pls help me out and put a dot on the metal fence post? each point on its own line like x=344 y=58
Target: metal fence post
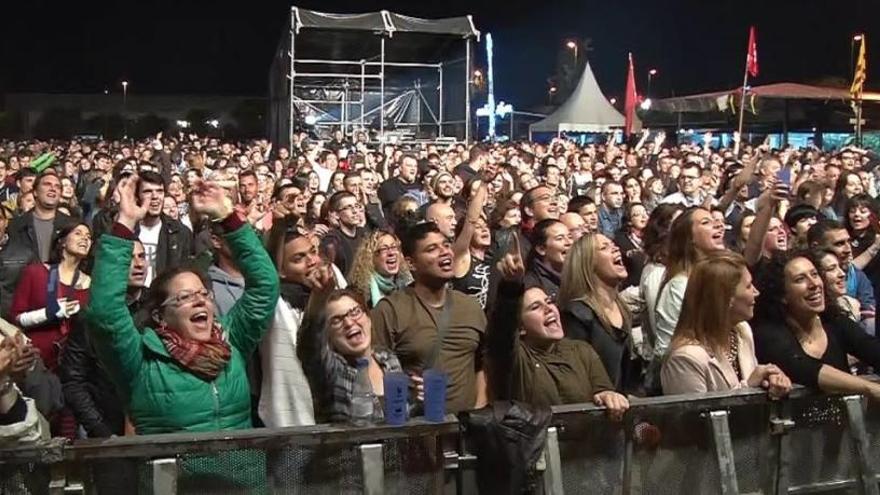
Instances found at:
x=372 y=468
x=164 y=474
x=778 y=453
x=858 y=433
x=720 y=430
x=553 y=473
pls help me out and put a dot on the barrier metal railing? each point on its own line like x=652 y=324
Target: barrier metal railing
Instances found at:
x=732 y=442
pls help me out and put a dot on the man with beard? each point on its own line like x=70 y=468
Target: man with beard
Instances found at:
x=167 y=242
x=430 y=326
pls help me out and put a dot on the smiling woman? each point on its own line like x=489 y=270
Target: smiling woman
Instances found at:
x=187 y=374
x=808 y=337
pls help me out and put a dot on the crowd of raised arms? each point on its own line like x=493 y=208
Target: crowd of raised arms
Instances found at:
x=195 y=284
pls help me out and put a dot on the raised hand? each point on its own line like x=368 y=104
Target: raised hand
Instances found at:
x=511 y=266
x=9 y=352
x=130 y=211
x=321 y=279
x=211 y=200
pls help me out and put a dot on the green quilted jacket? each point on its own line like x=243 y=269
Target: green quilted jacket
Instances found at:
x=160 y=395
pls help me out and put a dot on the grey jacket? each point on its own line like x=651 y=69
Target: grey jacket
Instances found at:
x=227 y=289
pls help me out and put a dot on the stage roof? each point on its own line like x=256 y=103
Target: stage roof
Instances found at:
x=722 y=100
x=384 y=21
x=586 y=110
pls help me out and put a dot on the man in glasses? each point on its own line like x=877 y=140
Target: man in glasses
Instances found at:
x=689 y=194
x=342 y=241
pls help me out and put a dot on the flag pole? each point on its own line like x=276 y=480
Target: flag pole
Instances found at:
x=742 y=109
x=859 y=121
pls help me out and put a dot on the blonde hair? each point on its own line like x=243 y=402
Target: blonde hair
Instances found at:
x=362 y=268
x=705 y=312
x=580 y=283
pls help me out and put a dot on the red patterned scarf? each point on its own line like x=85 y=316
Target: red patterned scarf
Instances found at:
x=204 y=359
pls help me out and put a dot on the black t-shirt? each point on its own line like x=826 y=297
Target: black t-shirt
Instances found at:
x=776 y=344
x=340 y=248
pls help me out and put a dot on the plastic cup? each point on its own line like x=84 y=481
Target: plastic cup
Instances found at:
x=396 y=392
x=435 y=395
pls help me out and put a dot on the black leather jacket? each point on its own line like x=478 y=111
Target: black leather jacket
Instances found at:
x=88 y=390
x=21 y=250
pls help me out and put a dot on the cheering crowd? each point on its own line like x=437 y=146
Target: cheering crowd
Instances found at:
x=193 y=284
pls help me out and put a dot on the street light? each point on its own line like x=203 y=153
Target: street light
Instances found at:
x=852 y=48
x=613 y=101
x=573 y=46
x=125 y=109
x=550 y=92
x=651 y=74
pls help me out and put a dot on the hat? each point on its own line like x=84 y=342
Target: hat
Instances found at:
x=798 y=213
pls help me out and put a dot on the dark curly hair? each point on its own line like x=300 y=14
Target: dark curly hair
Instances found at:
x=657 y=230
x=770 y=281
x=859 y=201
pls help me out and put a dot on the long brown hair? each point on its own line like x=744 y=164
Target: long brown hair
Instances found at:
x=681 y=253
x=580 y=283
x=705 y=312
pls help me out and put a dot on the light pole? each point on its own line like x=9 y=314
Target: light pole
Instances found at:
x=550 y=93
x=125 y=109
x=651 y=74
x=573 y=46
x=852 y=48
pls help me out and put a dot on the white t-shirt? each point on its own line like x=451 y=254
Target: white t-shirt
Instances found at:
x=324 y=175
x=149 y=237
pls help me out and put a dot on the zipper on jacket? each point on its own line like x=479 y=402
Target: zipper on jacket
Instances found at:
x=216 y=404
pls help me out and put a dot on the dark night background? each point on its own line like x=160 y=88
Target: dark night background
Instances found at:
x=225 y=46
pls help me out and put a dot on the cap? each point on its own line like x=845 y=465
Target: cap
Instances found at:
x=798 y=213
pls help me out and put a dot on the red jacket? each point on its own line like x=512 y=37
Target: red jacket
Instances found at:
x=30 y=295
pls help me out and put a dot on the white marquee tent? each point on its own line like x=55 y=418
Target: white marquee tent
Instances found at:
x=586 y=110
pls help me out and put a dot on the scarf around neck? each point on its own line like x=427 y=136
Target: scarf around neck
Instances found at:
x=206 y=359
x=380 y=286
x=297 y=295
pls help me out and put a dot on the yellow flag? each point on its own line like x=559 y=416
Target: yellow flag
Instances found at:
x=858 y=83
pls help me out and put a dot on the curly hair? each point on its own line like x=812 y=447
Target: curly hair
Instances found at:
x=362 y=268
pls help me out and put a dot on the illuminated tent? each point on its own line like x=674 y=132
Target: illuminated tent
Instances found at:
x=586 y=110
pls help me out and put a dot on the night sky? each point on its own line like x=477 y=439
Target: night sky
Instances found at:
x=225 y=46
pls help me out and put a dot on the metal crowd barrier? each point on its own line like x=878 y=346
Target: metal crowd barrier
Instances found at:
x=728 y=443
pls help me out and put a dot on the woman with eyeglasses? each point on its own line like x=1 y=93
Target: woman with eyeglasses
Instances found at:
x=188 y=372
x=378 y=268
x=335 y=335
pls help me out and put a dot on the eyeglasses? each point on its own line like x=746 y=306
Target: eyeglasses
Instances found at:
x=383 y=250
x=187 y=296
x=354 y=207
x=354 y=313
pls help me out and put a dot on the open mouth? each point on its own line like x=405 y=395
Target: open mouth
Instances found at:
x=552 y=322
x=815 y=298
x=200 y=318
x=355 y=336
x=617 y=261
x=391 y=261
x=446 y=263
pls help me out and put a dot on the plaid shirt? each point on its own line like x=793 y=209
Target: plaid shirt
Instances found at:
x=330 y=375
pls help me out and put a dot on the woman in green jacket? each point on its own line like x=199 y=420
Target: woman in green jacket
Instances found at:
x=188 y=373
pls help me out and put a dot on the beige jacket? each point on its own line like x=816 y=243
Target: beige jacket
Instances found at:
x=692 y=368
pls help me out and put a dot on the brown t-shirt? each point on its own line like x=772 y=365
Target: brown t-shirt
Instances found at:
x=407 y=325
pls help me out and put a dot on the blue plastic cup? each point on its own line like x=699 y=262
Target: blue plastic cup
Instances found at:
x=396 y=392
x=435 y=394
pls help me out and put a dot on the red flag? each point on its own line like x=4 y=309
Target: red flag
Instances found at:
x=630 y=98
x=752 y=57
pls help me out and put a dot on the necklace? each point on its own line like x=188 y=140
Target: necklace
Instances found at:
x=733 y=354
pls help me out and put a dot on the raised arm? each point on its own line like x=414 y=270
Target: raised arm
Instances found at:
x=117 y=340
x=766 y=209
x=504 y=323
x=248 y=319
x=461 y=247
x=313 y=349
